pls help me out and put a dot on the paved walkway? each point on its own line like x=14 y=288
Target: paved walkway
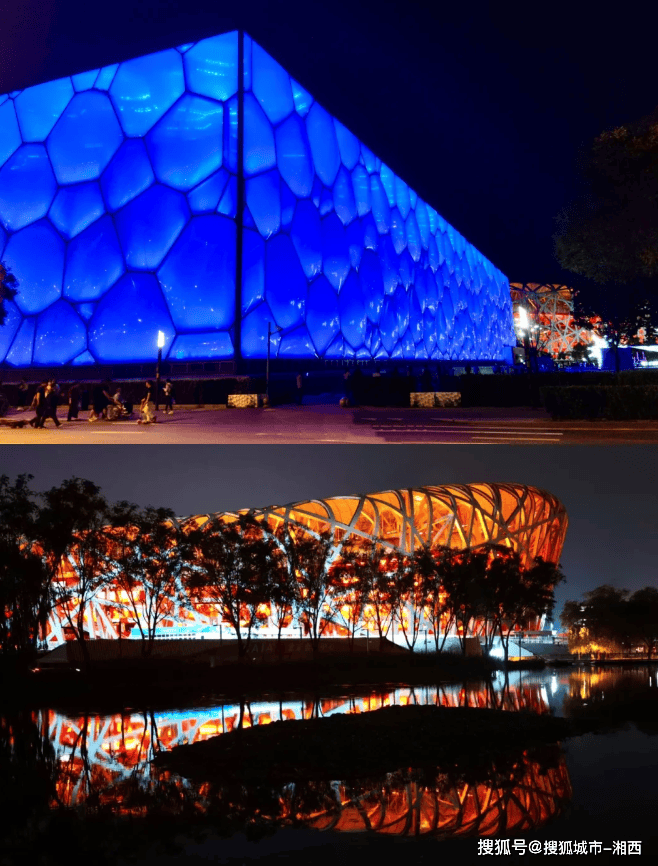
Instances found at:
x=330 y=424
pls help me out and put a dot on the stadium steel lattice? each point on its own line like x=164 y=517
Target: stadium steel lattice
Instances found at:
x=525 y=519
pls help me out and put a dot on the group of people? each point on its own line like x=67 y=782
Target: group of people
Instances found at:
x=107 y=404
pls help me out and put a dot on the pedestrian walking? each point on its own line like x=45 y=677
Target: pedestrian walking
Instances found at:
x=39 y=405
x=299 y=381
x=147 y=406
x=51 y=401
x=168 y=392
x=74 y=402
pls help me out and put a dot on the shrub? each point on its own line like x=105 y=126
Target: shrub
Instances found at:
x=609 y=402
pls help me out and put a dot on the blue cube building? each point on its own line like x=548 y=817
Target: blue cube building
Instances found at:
x=202 y=192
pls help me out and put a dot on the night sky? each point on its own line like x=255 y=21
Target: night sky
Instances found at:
x=610 y=493
x=480 y=107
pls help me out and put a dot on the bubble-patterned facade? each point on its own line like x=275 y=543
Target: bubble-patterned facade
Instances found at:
x=135 y=199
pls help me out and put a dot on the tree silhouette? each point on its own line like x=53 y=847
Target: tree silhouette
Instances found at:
x=148 y=557
x=228 y=565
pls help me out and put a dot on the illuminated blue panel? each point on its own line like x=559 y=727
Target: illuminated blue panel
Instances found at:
x=20 y=354
x=259 y=152
x=10 y=328
x=372 y=285
x=322 y=315
x=76 y=207
x=206 y=196
x=36 y=257
x=324 y=146
x=336 y=248
x=211 y=67
x=39 y=107
x=231 y=135
x=296 y=344
x=253 y=270
x=355 y=243
x=127 y=320
x=27 y=187
x=302 y=98
x=254 y=332
x=190 y=347
x=145 y=88
x=361 y=185
x=148 y=226
x=306 y=235
x=198 y=277
x=285 y=282
x=127 y=175
x=93 y=263
x=352 y=308
x=335 y=253
x=380 y=207
x=106 y=76
x=344 y=197
x=10 y=137
x=402 y=197
x=348 y=145
x=228 y=203
x=84 y=81
x=264 y=202
x=186 y=145
x=85 y=138
x=271 y=85
x=60 y=335
x=294 y=156
x=3 y=238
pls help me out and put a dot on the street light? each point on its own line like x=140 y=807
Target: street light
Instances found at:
x=161 y=342
x=267 y=364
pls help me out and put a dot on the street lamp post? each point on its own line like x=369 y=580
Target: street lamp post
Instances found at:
x=161 y=342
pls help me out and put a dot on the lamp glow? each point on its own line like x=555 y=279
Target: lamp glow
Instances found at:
x=161 y=339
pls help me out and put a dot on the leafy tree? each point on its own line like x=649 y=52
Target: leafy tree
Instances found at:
x=74 y=536
x=600 y=618
x=311 y=558
x=23 y=577
x=522 y=595
x=642 y=616
x=410 y=596
x=462 y=574
x=8 y=289
x=610 y=235
x=352 y=580
x=228 y=565
x=148 y=558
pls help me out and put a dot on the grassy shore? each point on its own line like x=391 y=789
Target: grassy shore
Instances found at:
x=154 y=682
x=345 y=746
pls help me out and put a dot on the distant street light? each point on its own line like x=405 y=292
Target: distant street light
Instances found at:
x=267 y=364
x=161 y=342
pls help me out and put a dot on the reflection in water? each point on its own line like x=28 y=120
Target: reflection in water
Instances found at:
x=98 y=752
x=510 y=797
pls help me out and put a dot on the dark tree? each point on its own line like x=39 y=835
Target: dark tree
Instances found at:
x=600 y=618
x=642 y=616
x=610 y=235
x=228 y=566
x=23 y=576
x=75 y=538
x=8 y=289
x=147 y=551
x=310 y=558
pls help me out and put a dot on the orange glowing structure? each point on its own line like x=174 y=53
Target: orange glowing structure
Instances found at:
x=525 y=519
x=549 y=309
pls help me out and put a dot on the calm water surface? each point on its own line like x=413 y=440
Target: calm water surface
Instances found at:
x=596 y=788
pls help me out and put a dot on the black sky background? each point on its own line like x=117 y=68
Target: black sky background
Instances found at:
x=480 y=107
x=610 y=493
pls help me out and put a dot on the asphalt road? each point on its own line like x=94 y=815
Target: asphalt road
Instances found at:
x=333 y=425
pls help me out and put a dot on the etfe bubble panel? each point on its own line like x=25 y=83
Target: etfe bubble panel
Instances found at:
x=118 y=211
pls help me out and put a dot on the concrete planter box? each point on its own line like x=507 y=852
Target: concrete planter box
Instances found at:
x=434 y=399
x=244 y=401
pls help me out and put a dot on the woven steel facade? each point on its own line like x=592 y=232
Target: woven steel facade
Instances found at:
x=135 y=199
x=525 y=519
